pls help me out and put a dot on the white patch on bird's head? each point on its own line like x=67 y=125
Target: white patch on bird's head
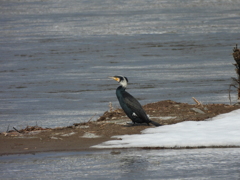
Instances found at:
x=123 y=81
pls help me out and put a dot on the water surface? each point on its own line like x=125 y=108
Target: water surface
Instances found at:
x=125 y=164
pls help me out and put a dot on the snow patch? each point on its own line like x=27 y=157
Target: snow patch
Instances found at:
x=222 y=130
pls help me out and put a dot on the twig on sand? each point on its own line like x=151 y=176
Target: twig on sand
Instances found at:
x=92 y=117
x=8 y=128
x=229 y=93
x=16 y=130
x=110 y=107
x=198 y=103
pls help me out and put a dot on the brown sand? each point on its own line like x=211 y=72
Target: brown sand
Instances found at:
x=80 y=137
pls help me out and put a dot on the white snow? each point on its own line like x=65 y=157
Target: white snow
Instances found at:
x=222 y=130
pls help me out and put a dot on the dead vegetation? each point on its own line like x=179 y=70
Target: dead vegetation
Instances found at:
x=236 y=81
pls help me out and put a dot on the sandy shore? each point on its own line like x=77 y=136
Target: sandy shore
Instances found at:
x=80 y=137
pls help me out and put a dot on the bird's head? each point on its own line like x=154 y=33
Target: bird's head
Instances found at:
x=121 y=80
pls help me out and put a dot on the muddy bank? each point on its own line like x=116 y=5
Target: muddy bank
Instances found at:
x=81 y=136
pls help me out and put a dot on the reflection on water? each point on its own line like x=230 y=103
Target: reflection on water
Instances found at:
x=127 y=164
x=134 y=167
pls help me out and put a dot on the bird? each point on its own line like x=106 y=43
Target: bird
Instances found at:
x=129 y=104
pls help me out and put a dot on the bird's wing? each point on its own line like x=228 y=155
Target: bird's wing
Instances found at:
x=134 y=105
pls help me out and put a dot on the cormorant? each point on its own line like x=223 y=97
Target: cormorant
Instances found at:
x=129 y=104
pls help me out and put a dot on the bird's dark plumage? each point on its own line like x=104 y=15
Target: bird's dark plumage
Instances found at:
x=130 y=105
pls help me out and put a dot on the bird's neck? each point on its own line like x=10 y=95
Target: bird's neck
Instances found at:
x=119 y=92
x=121 y=88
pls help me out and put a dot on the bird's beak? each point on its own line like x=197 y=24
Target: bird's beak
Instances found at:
x=115 y=78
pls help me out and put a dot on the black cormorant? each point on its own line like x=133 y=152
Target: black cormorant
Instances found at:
x=129 y=104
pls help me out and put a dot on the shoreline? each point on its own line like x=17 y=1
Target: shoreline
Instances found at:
x=81 y=136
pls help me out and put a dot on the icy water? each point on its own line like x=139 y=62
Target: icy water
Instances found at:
x=56 y=56
x=125 y=164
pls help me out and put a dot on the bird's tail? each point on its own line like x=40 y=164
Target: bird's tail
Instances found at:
x=155 y=123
